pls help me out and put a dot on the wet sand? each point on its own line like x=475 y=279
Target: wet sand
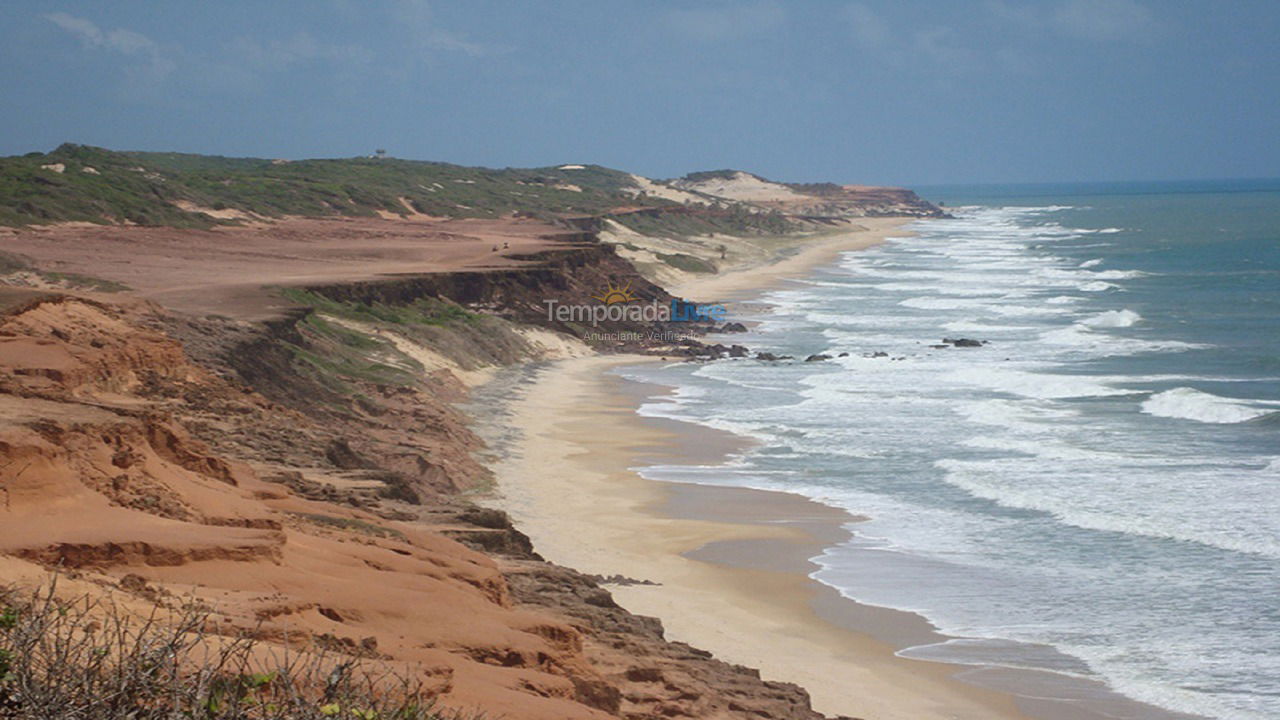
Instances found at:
x=731 y=563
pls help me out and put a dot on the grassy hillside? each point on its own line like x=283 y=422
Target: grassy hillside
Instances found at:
x=98 y=185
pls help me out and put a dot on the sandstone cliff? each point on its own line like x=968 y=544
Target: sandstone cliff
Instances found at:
x=310 y=504
x=243 y=402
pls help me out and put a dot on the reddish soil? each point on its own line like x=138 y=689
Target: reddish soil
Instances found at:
x=228 y=270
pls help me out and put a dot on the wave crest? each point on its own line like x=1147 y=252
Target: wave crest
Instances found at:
x=1113 y=319
x=1190 y=404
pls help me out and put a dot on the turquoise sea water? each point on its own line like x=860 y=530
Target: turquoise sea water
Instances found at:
x=1096 y=491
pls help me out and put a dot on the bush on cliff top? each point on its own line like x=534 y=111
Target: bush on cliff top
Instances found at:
x=91 y=659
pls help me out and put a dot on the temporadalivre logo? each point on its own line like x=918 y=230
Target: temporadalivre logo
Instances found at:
x=618 y=303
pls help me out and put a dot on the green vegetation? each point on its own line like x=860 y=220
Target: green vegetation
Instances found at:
x=336 y=356
x=688 y=263
x=704 y=175
x=825 y=189
x=334 y=366
x=423 y=311
x=345 y=336
x=340 y=357
x=83 y=282
x=735 y=220
x=103 y=186
x=147 y=188
x=351 y=524
x=11 y=263
x=82 y=658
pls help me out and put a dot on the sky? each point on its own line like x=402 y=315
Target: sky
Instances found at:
x=900 y=92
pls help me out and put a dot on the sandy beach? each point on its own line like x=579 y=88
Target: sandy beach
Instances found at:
x=790 y=261
x=726 y=568
x=731 y=564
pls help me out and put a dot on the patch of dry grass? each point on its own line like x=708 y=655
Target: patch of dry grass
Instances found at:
x=91 y=659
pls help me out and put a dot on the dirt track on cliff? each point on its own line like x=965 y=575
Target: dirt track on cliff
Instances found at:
x=226 y=270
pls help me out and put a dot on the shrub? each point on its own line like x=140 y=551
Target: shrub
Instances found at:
x=88 y=659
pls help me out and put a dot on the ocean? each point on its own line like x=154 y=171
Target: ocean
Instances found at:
x=1096 y=490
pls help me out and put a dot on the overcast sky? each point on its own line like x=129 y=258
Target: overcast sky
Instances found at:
x=903 y=92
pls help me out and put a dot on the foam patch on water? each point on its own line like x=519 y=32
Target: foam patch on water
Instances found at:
x=1191 y=404
x=1119 y=274
x=1012 y=414
x=941 y=303
x=1080 y=337
x=1097 y=286
x=1113 y=319
x=1013 y=483
x=976 y=326
x=1041 y=386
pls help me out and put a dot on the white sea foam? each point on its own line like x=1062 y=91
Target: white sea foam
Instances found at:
x=1012 y=414
x=941 y=303
x=1081 y=337
x=977 y=326
x=1036 y=447
x=1000 y=274
x=1113 y=319
x=1191 y=404
x=1097 y=286
x=1010 y=482
x=1012 y=309
x=1035 y=385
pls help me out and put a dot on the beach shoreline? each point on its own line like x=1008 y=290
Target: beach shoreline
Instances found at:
x=792 y=260
x=731 y=565
x=729 y=569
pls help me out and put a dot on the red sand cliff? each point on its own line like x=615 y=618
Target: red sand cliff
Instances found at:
x=302 y=515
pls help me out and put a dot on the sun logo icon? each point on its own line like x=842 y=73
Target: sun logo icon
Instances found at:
x=614 y=294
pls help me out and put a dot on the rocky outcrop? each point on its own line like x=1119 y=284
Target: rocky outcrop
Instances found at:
x=963 y=342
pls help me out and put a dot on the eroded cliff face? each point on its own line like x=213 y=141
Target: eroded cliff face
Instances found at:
x=300 y=484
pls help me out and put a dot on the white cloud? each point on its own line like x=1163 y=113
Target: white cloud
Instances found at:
x=84 y=29
x=299 y=48
x=941 y=46
x=415 y=17
x=1103 y=20
x=727 y=22
x=935 y=48
x=152 y=61
x=869 y=30
x=1096 y=20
